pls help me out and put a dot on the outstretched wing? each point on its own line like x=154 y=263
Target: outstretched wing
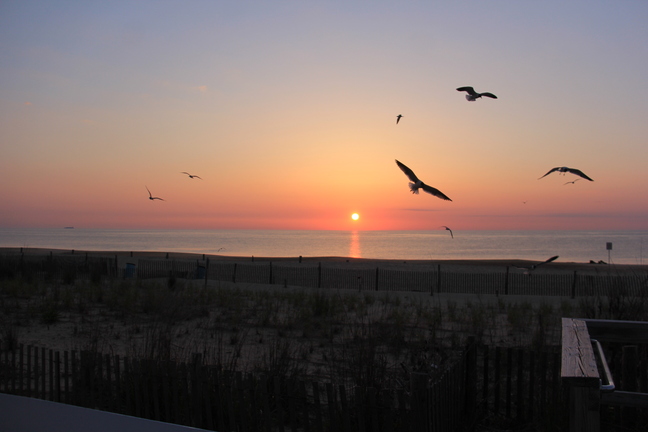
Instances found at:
x=553 y=258
x=435 y=192
x=550 y=171
x=408 y=172
x=490 y=95
x=150 y=196
x=579 y=173
x=470 y=90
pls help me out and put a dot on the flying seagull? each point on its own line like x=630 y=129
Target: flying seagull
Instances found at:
x=417 y=184
x=398 y=117
x=448 y=229
x=572 y=182
x=151 y=197
x=473 y=95
x=566 y=170
x=535 y=266
x=191 y=176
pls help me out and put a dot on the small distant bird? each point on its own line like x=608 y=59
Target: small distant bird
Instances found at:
x=564 y=170
x=572 y=182
x=191 y=176
x=151 y=197
x=473 y=95
x=448 y=229
x=418 y=184
x=398 y=117
x=535 y=266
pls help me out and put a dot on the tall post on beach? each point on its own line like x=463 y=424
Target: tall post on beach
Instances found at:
x=206 y=271
x=319 y=274
x=377 y=270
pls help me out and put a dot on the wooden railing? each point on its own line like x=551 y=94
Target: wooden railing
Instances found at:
x=586 y=374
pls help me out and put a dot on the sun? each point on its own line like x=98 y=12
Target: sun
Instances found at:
x=355 y=216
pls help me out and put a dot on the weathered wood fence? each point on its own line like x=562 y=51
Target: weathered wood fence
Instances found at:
x=512 y=386
x=433 y=280
x=607 y=388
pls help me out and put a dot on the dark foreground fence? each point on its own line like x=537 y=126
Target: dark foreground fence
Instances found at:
x=486 y=385
x=432 y=280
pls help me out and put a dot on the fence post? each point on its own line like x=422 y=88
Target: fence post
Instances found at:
x=419 y=402
x=506 y=281
x=377 y=271
x=270 y=278
x=234 y=273
x=439 y=278
x=319 y=275
x=630 y=359
x=573 y=287
x=206 y=271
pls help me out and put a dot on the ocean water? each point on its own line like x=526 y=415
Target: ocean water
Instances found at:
x=571 y=246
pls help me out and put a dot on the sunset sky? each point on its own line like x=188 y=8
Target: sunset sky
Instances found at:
x=287 y=110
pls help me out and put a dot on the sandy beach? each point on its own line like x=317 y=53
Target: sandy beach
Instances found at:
x=122 y=317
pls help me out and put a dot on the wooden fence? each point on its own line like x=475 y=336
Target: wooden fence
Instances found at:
x=512 y=386
x=432 y=280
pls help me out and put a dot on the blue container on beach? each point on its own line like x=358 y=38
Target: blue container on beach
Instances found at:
x=129 y=271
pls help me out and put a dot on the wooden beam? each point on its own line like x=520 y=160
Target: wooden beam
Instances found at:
x=578 y=359
x=618 y=331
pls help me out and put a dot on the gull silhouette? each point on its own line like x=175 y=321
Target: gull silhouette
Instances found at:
x=572 y=182
x=528 y=269
x=151 y=197
x=398 y=117
x=564 y=170
x=417 y=184
x=473 y=95
x=448 y=229
x=191 y=176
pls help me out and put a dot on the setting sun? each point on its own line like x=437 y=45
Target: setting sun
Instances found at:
x=355 y=216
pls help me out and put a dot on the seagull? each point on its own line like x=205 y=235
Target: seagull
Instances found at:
x=151 y=197
x=572 y=182
x=448 y=229
x=535 y=266
x=191 y=176
x=566 y=170
x=417 y=184
x=473 y=95
x=398 y=117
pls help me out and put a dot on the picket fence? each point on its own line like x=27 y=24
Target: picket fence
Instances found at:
x=514 y=386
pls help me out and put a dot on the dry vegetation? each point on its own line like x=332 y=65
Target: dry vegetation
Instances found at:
x=364 y=338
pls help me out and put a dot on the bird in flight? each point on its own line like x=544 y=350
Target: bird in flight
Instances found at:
x=473 y=95
x=535 y=266
x=448 y=229
x=191 y=176
x=151 y=197
x=568 y=170
x=398 y=117
x=417 y=184
x=572 y=182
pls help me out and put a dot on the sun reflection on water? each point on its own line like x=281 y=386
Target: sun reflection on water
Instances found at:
x=354 y=245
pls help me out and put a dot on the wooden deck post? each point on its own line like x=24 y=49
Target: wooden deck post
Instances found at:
x=580 y=374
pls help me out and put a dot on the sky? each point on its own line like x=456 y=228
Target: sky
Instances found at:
x=287 y=111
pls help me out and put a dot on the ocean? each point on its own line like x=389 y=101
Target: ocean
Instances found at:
x=627 y=247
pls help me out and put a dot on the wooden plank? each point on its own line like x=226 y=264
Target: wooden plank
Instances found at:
x=624 y=398
x=618 y=331
x=578 y=359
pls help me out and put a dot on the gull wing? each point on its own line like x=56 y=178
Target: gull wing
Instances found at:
x=550 y=171
x=579 y=173
x=408 y=172
x=435 y=192
x=150 y=196
x=553 y=258
x=490 y=95
x=470 y=90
